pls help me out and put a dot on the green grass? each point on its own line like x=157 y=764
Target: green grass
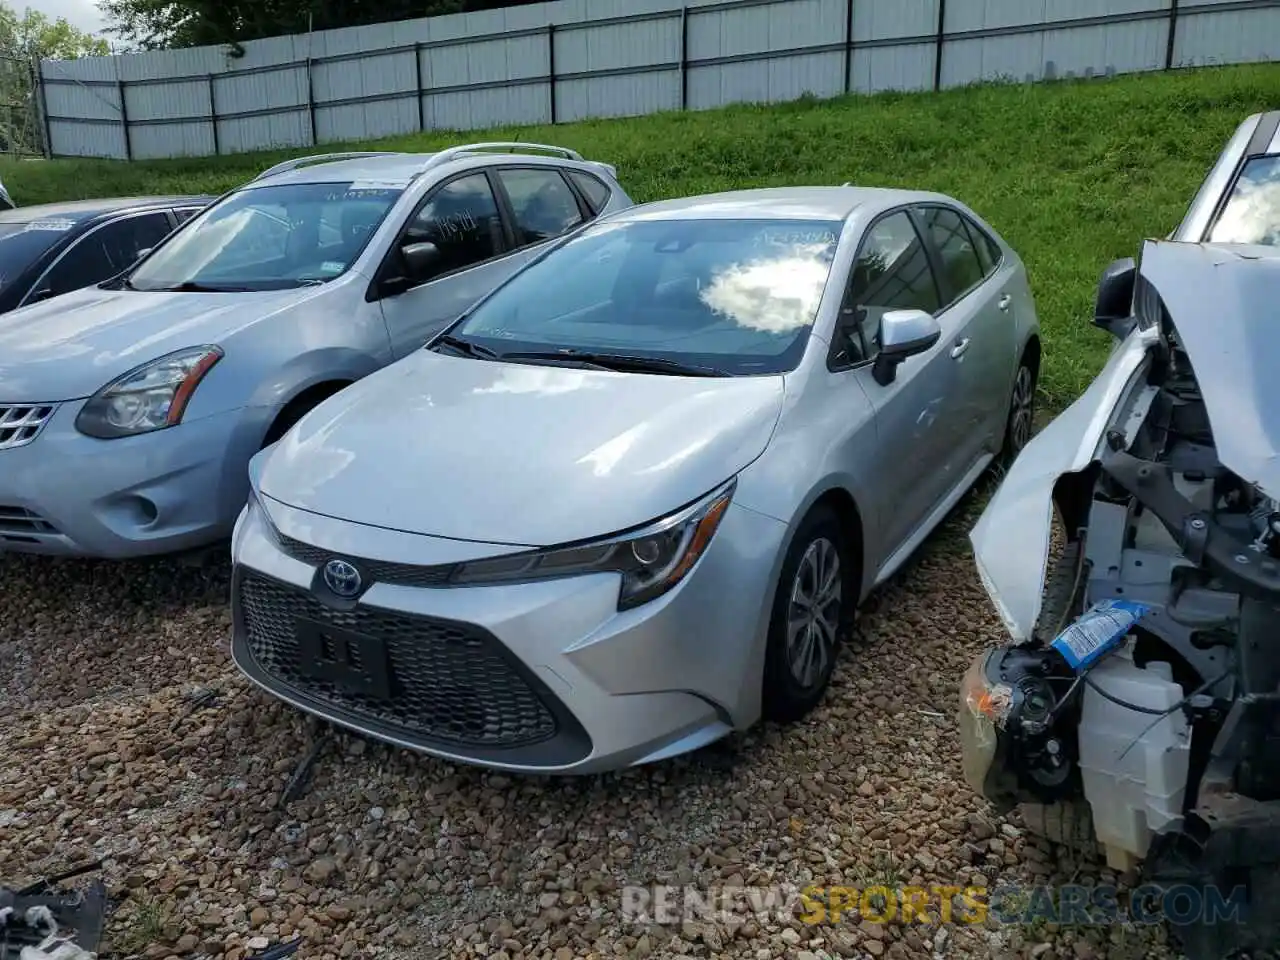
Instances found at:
x=1072 y=173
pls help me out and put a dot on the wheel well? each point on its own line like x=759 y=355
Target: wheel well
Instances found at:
x=842 y=504
x=294 y=410
x=1031 y=353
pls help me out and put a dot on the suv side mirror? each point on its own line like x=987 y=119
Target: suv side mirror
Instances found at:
x=44 y=293
x=420 y=258
x=1113 y=308
x=903 y=334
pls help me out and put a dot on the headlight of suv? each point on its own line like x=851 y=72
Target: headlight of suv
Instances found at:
x=651 y=560
x=150 y=397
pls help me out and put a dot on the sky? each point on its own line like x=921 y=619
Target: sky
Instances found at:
x=79 y=13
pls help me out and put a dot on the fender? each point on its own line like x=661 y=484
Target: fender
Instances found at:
x=1018 y=520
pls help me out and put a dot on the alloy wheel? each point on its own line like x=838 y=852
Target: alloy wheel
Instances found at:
x=1021 y=412
x=813 y=616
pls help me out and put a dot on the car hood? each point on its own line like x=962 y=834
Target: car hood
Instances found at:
x=518 y=454
x=1222 y=302
x=73 y=345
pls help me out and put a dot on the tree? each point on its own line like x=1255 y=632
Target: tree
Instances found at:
x=34 y=35
x=160 y=24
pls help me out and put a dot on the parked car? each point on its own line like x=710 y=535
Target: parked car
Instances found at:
x=6 y=201
x=129 y=410
x=54 y=248
x=1133 y=706
x=630 y=500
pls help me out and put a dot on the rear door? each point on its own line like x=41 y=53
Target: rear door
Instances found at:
x=977 y=310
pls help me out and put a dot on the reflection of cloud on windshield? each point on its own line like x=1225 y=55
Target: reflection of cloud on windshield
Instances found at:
x=1253 y=215
x=773 y=295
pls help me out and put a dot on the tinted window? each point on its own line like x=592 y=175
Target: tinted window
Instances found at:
x=183 y=214
x=271 y=238
x=461 y=219
x=738 y=295
x=1252 y=213
x=22 y=244
x=989 y=253
x=949 y=237
x=106 y=251
x=892 y=272
x=594 y=189
x=543 y=204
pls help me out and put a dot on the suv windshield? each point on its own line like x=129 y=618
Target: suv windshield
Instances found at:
x=269 y=238
x=738 y=296
x=22 y=244
x=1252 y=213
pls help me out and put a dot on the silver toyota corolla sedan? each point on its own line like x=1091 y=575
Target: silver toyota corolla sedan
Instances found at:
x=629 y=501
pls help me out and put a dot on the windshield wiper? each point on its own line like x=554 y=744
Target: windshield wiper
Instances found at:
x=192 y=286
x=618 y=361
x=469 y=347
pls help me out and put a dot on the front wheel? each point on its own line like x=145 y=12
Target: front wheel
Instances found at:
x=814 y=605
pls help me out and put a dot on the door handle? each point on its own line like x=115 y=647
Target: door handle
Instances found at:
x=1004 y=302
x=958 y=350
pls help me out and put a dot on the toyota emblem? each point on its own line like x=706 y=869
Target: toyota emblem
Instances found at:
x=342 y=578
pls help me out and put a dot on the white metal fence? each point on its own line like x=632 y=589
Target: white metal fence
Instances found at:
x=571 y=59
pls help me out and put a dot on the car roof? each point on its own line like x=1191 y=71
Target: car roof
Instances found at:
x=399 y=169
x=791 y=203
x=86 y=209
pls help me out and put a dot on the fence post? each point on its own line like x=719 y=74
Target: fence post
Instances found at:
x=124 y=119
x=42 y=106
x=213 y=116
x=311 y=101
x=684 y=57
x=941 y=42
x=551 y=68
x=417 y=70
x=1173 y=34
x=848 y=46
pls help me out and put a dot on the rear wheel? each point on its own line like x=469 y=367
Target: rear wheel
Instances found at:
x=814 y=604
x=1021 y=420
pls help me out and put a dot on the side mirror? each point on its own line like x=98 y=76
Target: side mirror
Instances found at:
x=142 y=253
x=44 y=293
x=1113 y=308
x=420 y=258
x=903 y=334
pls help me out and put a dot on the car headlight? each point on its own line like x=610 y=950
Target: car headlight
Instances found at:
x=651 y=560
x=150 y=397
x=983 y=708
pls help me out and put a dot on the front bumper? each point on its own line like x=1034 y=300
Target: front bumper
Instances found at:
x=544 y=677
x=66 y=494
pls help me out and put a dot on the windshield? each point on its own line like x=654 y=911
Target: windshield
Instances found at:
x=735 y=295
x=22 y=244
x=270 y=238
x=1252 y=213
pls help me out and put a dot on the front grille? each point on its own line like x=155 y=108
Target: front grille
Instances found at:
x=22 y=523
x=20 y=423
x=451 y=683
x=373 y=571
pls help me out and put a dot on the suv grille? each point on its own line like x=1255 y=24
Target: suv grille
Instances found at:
x=449 y=682
x=19 y=423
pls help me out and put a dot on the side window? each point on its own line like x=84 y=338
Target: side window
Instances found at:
x=595 y=190
x=105 y=252
x=947 y=233
x=461 y=219
x=542 y=202
x=989 y=252
x=183 y=214
x=891 y=272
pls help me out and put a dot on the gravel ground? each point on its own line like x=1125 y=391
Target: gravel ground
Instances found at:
x=105 y=752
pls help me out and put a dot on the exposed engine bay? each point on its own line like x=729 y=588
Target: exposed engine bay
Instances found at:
x=1161 y=746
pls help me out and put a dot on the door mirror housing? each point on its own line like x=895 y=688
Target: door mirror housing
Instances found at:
x=419 y=259
x=1113 y=307
x=142 y=253
x=903 y=334
x=44 y=293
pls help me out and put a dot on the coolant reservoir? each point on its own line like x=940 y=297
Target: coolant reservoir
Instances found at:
x=1134 y=793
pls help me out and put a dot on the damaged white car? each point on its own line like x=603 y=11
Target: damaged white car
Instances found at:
x=1135 y=706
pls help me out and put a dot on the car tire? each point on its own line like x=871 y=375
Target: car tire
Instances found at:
x=811 y=611
x=1022 y=409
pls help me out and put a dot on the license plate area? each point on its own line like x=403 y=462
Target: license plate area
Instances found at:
x=355 y=662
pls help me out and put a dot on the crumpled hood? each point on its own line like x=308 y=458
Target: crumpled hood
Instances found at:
x=1225 y=305
x=71 y=346
x=518 y=454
